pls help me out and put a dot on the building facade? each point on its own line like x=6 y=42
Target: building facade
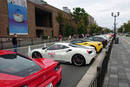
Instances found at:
x=41 y=19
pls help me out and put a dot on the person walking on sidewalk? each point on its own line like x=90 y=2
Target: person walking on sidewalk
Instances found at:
x=69 y=37
x=14 y=42
x=60 y=38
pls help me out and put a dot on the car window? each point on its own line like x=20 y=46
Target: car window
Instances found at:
x=78 y=46
x=63 y=47
x=77 y=41
x=96 y=39
x=57 y=47
x=18 y=65
x=90 y=38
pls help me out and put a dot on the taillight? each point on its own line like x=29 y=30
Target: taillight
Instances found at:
x=105 y=41
x=99 y=44
x=57 y=67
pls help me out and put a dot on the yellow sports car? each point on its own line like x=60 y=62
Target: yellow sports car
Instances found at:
x=97 y=45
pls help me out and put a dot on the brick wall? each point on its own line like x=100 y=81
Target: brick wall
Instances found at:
x=4 y=26
x=3 y=18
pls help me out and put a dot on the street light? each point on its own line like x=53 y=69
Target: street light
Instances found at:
x=115 y=15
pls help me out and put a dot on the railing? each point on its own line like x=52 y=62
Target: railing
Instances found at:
x=102 y=69
x=6 y=43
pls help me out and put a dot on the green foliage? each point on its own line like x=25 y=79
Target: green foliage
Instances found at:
x=45 y=37
x=60 y=19
x=107 y=30
x=81 y=18
x=125 y=27
x=127 y=35
x=69 y=30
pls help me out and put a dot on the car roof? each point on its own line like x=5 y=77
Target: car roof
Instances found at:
x=4 y=52
x=63 y=43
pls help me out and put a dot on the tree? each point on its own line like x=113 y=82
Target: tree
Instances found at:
x=125 y=27
x=69 y=30
x=81 y=19
x=107 y=30
x=65 y=25
x=60 y=19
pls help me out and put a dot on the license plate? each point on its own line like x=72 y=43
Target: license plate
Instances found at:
x=49 y=85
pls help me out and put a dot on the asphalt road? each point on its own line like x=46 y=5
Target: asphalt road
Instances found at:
x=71 y=74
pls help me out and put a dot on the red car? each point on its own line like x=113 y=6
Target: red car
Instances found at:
x=17 y=70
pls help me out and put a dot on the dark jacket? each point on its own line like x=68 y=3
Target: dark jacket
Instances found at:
x=14 y=41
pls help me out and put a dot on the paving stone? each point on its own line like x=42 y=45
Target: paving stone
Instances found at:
x=129 y=82
x=114 y=62
x=118 y=74
x=113 y=70
x=126 y=65
x=113 y=81
x=122 y=77
x=128 y=75
x=123 y=84
x=125 y=62
x=106 y=81
x=127 y=70
x=114 y=76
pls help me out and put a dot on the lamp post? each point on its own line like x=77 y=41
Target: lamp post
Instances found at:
x=115 y=15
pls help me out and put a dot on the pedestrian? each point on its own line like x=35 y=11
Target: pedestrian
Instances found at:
x=60 y=38
x=70 y=37
x=14 y=42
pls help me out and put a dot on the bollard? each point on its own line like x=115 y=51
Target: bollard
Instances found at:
x=117 y=40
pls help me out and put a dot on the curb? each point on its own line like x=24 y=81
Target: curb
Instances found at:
x=89 y=79
x=92 y=72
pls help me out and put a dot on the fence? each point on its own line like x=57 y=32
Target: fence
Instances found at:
x=102 y=69
x=5 y=42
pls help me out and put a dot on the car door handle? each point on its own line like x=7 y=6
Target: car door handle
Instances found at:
x=69 y=50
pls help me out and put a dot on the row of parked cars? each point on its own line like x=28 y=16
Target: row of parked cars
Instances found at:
x=40 y=69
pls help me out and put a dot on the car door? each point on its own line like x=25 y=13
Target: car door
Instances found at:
x=58 y=52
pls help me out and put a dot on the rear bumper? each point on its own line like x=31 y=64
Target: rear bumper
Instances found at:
x=55 y=80
x=89 y=59
x=99 y=48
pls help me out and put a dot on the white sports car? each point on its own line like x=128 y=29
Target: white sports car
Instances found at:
x=75 y=54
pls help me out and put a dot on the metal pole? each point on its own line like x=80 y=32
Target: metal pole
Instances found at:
x=115 y=26
x=115 y=15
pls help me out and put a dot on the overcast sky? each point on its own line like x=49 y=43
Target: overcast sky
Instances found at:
x=99 y=9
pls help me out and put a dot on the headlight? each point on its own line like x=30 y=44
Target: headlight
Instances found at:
x=57 y=67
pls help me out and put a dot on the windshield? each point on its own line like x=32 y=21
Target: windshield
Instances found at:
x=18 y=65
x=79 y=41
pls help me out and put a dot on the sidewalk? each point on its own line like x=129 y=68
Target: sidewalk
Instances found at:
x=118 y=71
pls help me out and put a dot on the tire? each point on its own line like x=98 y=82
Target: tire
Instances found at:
x=78 y=60
x=58 y=84
x=36 y=55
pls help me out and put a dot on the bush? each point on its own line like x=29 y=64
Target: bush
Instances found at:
x=45 y=37
x=127 y=35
